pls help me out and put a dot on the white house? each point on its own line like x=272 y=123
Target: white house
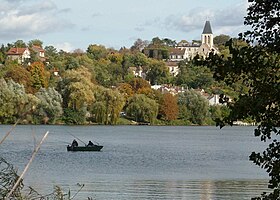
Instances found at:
x=19 y=54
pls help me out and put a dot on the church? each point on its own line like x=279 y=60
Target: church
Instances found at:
x=187 y=51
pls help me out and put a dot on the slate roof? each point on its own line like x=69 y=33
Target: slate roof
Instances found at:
x=207 y=28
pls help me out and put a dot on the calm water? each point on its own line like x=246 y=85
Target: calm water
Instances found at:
x=141 y=162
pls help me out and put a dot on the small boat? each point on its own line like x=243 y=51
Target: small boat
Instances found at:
x=84 y=148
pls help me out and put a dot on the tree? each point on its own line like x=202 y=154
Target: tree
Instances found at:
x=107 y=106
x=39 y=76
x=142 y=109
x=169 y=107
x=193 y=107
x=194 y=76
x=158 y=72
x=258 y=67
x=139 y=45
x=221 y=39
x=35 y=42
x=77 y=91
x=20 y=75
x=97 y=52
x=138 y=83
x=15 y=104
x=20 y=44
x=50 y=105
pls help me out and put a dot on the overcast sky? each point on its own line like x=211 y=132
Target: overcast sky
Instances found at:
x=72 y=24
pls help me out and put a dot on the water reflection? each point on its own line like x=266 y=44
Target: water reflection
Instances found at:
x=190 y=190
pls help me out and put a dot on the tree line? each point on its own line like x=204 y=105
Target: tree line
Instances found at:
x=97 y=85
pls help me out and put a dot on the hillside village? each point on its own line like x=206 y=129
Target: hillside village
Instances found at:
x=183 y=51
x=165 y=65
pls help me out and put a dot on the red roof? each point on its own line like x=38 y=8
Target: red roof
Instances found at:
x=16 y=51
x=38 y=48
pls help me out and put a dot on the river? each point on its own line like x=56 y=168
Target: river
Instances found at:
x=141 y=162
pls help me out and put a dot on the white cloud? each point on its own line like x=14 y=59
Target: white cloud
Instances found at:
x=229 y=20
x=18 y=20
x=65 y=46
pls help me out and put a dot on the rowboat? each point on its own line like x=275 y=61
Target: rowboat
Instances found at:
x=84 y=148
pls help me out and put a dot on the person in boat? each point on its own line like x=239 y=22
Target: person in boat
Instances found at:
x=90 y=144
x=74 y=143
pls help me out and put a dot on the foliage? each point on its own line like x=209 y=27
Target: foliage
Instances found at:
x=96 y=52
x=39 y=76
x=8 y=178
x=142 y=109
x=221 y=39
x=76 y=88
x=158 y=72
x=169 y=107
x=14 y=102
x=194 y=76
x=193 y=107
x=108 y=105
x=258 y=68
x=50 y=106
x=20 y=75
x=139 y=83
x=263 y=17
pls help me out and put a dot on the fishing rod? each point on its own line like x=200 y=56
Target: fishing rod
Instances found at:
x=77 y=138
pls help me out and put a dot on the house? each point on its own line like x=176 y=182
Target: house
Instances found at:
x=176 y=54
x=19 y=54
x=40 y=52
x=173 y=67
x=137 y=71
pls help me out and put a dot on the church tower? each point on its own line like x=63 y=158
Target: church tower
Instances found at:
x=207 y=35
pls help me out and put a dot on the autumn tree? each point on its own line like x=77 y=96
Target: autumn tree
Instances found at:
x=39 y=76
x=138 y=83
x=20 y=75
x=169 y=108
x=125 y=89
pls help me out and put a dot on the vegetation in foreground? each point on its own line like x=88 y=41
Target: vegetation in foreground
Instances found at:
x=258 y=68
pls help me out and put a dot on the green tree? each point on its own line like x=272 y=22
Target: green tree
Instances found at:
x=194 y=76
x=142 y=109
x=158 y=72
x=50 y=106
x=35 y=42
x=258 y=67
x=20 y=44
x=97 y=52
x=15 y=104
x=221 y=39
x=193 y=107
x=108 y=105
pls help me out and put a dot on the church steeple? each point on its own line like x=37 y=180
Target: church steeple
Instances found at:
x=207 y=35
